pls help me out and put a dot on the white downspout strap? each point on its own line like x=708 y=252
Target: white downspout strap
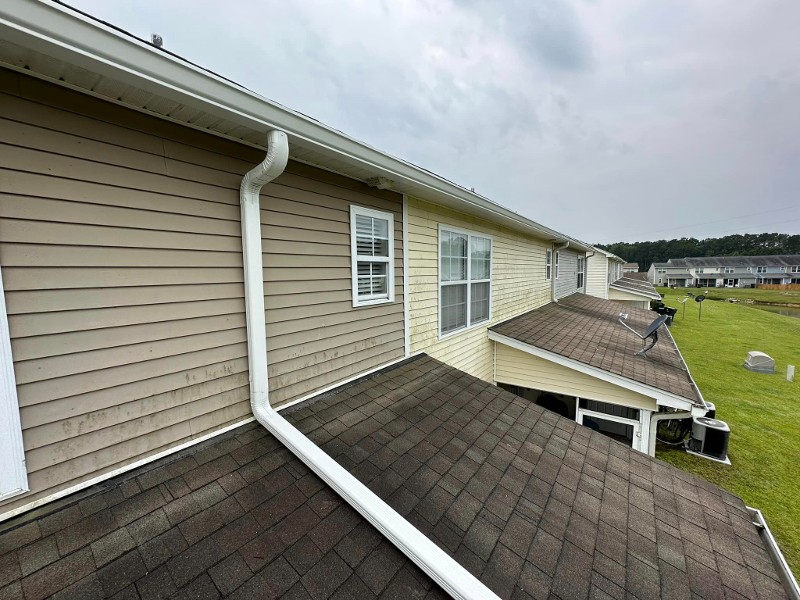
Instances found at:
x=439 y=566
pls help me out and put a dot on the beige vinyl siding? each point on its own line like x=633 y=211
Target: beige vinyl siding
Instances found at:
x=567 y=282
x=515 y=367
x=597 y=276
x=121 y=253
x=518 y=285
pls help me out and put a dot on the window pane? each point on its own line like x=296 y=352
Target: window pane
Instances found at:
x=481 y=258
x=479 y=302
x=454 y=307
x=372 y=236
x=372 y=279
x=452 y=257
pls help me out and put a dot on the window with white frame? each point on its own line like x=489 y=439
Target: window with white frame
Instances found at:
x=761 y=269
x=796 y=269
x=465 y=279
x=557 y=253
x=371 y=255
x=581 y=271
x=548 y=264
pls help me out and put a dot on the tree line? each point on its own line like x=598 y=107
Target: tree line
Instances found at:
x=748 y=244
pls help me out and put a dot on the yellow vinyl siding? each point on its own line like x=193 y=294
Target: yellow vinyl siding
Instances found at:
x=515 y=367
x=628 y=298
x=122 y=262
x=518 y=285
x=597 y=276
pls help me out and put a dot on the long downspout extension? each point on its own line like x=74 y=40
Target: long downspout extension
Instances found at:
x=451 y=577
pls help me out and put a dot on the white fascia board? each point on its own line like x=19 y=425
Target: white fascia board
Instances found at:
x=57 y=31
x=661 y=397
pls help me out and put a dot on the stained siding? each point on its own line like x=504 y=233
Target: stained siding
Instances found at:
x=515 y=367
x=597 y=276
x=518 y=285
x=121 y=252
x=567 y=282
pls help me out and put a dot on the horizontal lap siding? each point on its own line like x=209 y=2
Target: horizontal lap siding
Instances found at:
x=315 y=336
x=567 y=282
x=597 y=276
x=121 y=252
x=518 y=285
x=515 y=367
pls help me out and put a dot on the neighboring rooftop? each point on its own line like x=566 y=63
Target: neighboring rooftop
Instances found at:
x=781 y=260
x=634 y=266
x=238 y=517
x=586 y=329
x=531 y=503
x=636 y=286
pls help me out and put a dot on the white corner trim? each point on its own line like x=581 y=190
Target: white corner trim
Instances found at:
x=111 y=474
x=406 y=286
x=13 y=474
x=661 y=397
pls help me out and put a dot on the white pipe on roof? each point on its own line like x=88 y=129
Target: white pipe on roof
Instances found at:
x=446 y=572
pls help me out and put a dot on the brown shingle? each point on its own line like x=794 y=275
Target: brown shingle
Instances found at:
x=543 y=505
x=586 y=329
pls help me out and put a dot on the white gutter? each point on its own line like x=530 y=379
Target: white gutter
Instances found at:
x=784 y=572
x=439 y=566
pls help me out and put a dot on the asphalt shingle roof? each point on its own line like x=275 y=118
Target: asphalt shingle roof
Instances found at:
x=240 y=518
x=586 y=329
x=531 y=503
x=637 y=286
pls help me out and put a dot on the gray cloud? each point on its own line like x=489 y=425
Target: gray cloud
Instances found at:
x=609 y=120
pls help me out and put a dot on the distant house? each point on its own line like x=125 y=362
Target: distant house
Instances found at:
x=630 y=268
x=726 y=271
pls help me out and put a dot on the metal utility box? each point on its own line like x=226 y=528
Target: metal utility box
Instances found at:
x=759 y=362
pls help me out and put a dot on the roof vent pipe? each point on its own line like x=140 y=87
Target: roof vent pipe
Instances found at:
x=452 y=577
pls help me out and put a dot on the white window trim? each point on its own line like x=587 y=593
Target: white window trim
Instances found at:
x=354 y=259
x=581 y=274
x=467 y=232
x=555 y=264
x=636 y=444
x=13 y=473
x=548 y=264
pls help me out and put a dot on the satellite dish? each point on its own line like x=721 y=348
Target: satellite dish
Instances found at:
x=650 y=333
x=700 y=298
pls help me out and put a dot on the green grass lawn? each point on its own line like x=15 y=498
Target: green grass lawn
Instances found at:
x=763 y=411
x=766 y=296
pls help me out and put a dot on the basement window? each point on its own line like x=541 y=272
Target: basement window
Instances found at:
x=371 y=255
x=465 y=279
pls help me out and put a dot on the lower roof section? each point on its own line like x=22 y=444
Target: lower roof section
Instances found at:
x=585 y=331
x=532 y=503
x=637 y=287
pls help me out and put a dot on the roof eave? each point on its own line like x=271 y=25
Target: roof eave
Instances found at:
x=56 y=31
x=662 y=397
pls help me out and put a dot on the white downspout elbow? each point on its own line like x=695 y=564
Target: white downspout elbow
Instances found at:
x=446 y=572
x=664 y=416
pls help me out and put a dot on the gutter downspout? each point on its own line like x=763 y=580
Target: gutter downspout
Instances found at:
x=654 y=419
x=439 y=566
x=553 y=278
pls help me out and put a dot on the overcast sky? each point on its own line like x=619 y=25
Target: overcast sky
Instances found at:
x=609 y=120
